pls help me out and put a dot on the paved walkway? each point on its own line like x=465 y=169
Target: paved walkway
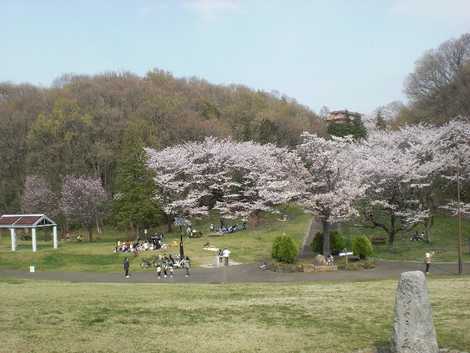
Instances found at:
x=241 y=274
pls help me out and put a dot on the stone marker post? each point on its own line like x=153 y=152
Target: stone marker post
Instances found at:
x=413 y=329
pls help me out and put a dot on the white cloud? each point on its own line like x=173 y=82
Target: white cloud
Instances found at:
x=210 y=9
x=457 y=10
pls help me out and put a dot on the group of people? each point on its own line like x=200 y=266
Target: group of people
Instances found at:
x=417 y=236
x=192 y=233
x=165 y=266
x=223 y=255
x=226 y=229
x=169 y=263
x=155 y=242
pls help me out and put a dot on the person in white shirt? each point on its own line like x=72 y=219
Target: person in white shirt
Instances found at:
x=226 y=255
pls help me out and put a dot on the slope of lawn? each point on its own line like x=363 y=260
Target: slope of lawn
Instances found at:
x=318 y=318
x=444 y=241
x=247 y=246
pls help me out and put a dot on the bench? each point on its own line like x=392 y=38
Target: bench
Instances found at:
x=378 y=240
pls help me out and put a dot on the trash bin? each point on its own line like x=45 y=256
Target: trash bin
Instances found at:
x=32 y=269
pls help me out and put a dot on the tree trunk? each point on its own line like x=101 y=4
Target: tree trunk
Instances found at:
x=427 y=229
x=169 y=222
x=326 y=238
x=98 y=226
x=137 y=233
x=392 y=231
x=90 y=233
x=66 y=227
x=391 y=238
x=253 y=219
x=131 y=232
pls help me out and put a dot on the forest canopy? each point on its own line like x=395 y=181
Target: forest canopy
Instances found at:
x=77 y=126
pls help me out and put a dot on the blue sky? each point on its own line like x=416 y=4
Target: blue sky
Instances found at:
x=351 y=54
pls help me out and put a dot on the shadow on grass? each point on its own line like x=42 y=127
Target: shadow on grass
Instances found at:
x=382 y=346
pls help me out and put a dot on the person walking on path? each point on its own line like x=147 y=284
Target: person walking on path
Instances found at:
x=126 y=267
x=226 y=255
x=165 y=270
x=159 y=271
x=187 y=265
x=428 y=260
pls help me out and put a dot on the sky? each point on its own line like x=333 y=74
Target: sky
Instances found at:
x=343 y=54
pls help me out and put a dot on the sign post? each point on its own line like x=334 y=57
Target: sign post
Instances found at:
x=345 y=253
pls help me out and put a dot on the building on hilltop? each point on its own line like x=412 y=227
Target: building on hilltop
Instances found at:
x=343 y=123
x=342 y=116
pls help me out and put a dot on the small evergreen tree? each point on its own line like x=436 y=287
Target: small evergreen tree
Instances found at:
x=337 y=243
x=359 y=130
x=380 y=122
x=284 y=249
x=362 y=247
x=134 y=205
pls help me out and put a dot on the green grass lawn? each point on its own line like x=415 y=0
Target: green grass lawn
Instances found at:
x=444 y=241
x=247 y=246
x=38 y=316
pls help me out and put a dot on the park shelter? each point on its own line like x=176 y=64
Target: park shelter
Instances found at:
x=28 y=221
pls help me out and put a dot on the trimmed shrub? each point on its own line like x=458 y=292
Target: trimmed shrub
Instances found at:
x=337 y=243
x=284 y=249
x=362 y=246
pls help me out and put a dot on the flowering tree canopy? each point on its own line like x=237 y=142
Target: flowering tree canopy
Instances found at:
x=398 y=166
x=82 y=198
x=452 y=150
x=38 y=197
x=332 y=183
x=235 y=178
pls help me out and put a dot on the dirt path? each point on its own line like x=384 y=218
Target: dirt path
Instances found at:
x=242 y=274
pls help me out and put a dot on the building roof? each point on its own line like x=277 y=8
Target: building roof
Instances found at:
x=25 y=221
x=342 y=115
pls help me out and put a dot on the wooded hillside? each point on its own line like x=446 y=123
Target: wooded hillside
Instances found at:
x=76 y=127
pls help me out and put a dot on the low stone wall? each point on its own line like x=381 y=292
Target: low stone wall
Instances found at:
x=319 y=268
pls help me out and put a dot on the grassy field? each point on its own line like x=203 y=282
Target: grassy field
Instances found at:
x=322 y=317
x=247 y=247
x=444 y=241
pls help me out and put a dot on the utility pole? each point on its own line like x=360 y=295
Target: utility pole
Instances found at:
x=459 y=210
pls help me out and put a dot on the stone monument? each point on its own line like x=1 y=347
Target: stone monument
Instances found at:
x=413 y=329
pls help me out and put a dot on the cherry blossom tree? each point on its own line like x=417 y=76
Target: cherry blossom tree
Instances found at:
x=398 y=166
x=82 y=201
x=453 y=152
x=236 y=178
x=38 y=197
x=332 y=182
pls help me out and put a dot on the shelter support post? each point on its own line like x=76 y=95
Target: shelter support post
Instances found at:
x=54 y=237
x=33 y=236
x=13 y=239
